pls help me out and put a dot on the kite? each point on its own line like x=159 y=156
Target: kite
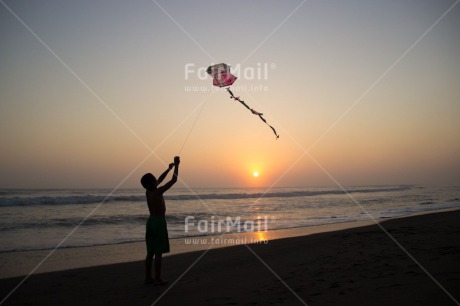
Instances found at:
x=222 y=78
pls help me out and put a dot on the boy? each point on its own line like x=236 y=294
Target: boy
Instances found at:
x=156 y=235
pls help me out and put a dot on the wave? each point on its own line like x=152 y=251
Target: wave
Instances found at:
x=122 y=220
x=92 y=199
x=92 y=221
x=283 y=194
x=62 y=200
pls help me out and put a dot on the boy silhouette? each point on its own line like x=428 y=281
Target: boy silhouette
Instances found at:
x=156 y=235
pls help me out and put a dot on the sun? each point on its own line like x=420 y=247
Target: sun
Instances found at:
x=255 y=174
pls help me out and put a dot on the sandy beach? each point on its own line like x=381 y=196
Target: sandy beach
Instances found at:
x=355 y=266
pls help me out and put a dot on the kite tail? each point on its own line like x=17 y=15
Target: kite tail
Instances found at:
x=232 y=96
x=273 y=129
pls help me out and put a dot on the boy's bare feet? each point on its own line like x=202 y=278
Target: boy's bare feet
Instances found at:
x=160 y=282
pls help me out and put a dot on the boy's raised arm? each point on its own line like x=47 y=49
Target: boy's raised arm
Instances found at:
x=174 y=178
x=162 y=177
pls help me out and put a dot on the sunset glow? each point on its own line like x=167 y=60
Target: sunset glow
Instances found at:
x=347 y=96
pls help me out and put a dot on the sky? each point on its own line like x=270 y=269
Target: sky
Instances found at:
x=93 y=94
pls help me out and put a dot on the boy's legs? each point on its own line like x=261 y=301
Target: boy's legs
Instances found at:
x=158 y=260
x=150 y=244
x=148 y=268
x=158 y=280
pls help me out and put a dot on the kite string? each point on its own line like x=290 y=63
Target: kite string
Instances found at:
x=194 y=123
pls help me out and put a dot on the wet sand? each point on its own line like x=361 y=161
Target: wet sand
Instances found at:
x=355 y=266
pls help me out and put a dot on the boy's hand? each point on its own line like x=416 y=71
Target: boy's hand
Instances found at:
x=171 y=165
x=176 y=160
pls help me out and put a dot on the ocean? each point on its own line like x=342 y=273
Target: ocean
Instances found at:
x=44 y=219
